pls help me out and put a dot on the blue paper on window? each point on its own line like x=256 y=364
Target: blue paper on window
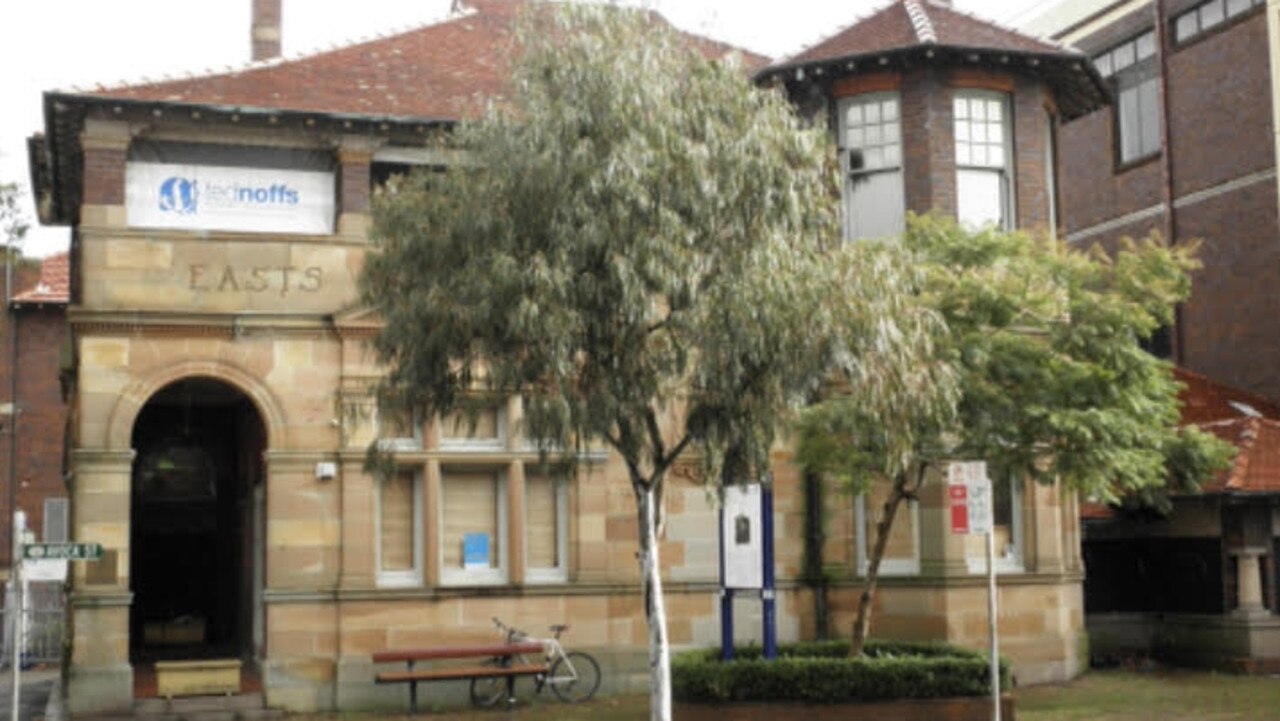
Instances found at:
x=475 y=550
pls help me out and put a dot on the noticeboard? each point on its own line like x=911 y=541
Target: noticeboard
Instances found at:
x=740 y=535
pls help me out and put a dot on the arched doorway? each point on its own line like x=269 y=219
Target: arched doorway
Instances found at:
x=197 y=475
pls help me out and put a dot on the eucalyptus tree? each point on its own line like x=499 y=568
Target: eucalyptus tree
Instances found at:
x=1040 y=352
x=640 y=243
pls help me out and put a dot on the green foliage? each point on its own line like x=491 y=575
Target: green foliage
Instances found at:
x=822 y=672
x=13 y=222
x=1044 y=342
x=638 y=243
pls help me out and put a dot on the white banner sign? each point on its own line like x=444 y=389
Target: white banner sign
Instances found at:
x=207 y=197
x=741 y=536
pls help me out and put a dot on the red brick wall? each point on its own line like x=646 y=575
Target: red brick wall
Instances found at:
x=42 y=419
x=1221 y=129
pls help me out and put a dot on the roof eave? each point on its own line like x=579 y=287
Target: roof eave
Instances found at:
x=1093 y=86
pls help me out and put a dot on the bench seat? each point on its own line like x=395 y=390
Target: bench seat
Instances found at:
x=445 y=674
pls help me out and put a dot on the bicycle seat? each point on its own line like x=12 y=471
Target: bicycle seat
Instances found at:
x=559 y=628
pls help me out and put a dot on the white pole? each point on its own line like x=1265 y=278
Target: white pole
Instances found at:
x=19 y=526
x=992 y=611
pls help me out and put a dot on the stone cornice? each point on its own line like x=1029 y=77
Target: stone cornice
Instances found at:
x=219 y=325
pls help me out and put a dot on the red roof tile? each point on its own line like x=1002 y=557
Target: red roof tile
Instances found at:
x=54 y=286
x=1204 y=400
x=1247 y=421
x=1256 y=468
x=442 y=71
x=911 y=23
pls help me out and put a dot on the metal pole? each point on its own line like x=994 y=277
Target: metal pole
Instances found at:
x=726 y=602
x=993 y=612
x=16 y=579
x=767 y=593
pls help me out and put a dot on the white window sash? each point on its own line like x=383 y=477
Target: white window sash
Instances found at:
x=560 y=572
x=864 y=533
x=400 y=578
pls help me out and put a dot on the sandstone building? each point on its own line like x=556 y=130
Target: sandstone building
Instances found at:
x=223 y=397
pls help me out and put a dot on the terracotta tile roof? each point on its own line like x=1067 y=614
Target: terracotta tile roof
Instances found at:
x=1256 y=468
x=1247 y=421
x=909 y=33
x=54 y=286
x=1205 y=400
x=910 y=23
x=441 y=71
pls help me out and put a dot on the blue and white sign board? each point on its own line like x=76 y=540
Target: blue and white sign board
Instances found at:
x=208 y=197
x=475 y=550
x=973 y=476
x=743 y=538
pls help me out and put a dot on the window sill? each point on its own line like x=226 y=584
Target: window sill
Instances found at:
x=1126 y=166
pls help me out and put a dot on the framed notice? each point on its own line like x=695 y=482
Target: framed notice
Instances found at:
x=741 y=538
x=475 y=550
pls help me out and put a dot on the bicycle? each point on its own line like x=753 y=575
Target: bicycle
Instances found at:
x=573 y=676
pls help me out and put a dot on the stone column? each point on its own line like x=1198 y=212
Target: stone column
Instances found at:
x=101 y=678
x=942 y=553
x=1249 y=582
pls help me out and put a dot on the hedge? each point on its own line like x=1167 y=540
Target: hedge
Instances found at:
x=822 y=672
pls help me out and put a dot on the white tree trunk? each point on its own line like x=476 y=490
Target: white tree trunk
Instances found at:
x=655 y=609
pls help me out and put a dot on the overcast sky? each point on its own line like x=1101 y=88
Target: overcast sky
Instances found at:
x=61 y=44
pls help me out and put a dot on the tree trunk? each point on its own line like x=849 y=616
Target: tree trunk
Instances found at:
x=655 y=609
x=862 y=625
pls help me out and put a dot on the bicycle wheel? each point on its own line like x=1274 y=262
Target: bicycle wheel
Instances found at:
x=574 y=677
x=487 y=691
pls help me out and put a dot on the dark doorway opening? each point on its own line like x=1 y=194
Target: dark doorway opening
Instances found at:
x=199 y=447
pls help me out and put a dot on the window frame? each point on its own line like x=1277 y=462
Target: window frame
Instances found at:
x=399 y=443
x=559 y=573
x=1006 y=172
x=414 y=576
x=863 y=537
x=492 y=576
x=845 y=159
x=496 y=443
x=1139 y=68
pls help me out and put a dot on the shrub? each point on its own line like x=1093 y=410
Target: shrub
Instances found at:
x=822 y=672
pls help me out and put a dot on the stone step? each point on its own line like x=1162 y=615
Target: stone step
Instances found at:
x=196 y=704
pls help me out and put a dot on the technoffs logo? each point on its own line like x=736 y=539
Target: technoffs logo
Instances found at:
x=185 y=196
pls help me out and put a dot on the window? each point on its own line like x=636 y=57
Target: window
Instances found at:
x=1131 y=65
x=546 y=543
x=399 y=532
x=902 y=554
x=983 y=152
x=399 y=427
x=1209 y=15
x=1006 y=516
x=483 y=428
x=871 y=154
x=57 y=517
x=473 y=523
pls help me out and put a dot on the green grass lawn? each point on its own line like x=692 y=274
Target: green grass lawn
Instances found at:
x=1165 y=695
x=1158 y=695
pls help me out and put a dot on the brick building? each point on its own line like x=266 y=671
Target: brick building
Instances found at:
x=1188 y=149
x=935 y=111
x=223 y=396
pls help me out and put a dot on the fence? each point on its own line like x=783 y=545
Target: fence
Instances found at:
x=45 y=617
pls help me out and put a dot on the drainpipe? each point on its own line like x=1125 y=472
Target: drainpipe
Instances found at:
x=1166 y=163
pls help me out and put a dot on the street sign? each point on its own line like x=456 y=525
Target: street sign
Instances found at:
x=67 y=551
x=959 y=497
x=969 y=492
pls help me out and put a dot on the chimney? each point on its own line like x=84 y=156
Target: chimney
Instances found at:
x=265 y=35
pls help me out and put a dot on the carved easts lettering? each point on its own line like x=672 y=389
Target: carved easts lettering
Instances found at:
x=282 y=279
